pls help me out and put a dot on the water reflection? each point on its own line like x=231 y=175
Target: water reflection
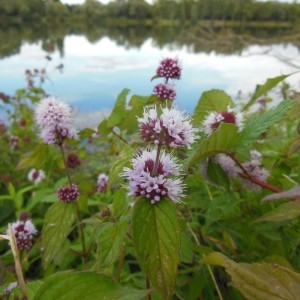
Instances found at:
x=95 y=73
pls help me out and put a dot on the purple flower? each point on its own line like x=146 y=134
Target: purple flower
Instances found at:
x=102 y=183
x=55 y=120
x=36 y=176
x=169 y=68
x=165 y=91
x=73 y=161
x=214 y=119
x=153 y=177
x=24 y=232
x=172 y=128
x=68 y=194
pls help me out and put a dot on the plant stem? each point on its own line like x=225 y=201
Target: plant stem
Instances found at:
x=209 y=268
x=81 y=233
x=65 y=164
x=117 y=135
x=156 y=163
x=15 y=251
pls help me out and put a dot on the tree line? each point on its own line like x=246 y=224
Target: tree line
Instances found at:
x=192 y=11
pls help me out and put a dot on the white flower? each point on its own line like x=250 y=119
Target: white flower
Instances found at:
x=55 y=120
x=213 y=120
x=172 y=128
x=153 y=177
x=36 y=176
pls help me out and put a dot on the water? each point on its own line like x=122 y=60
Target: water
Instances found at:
x=95 y=73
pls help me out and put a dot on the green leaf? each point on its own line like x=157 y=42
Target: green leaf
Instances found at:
x=214 y=100
x=224 y=139
x=118 y=113
x=259 y=281
x=85 y=286
x=156 y=237
x=118 y=165
x=262 y=89
x=57 y=225
x=85 y=133
x=286 y=211
x=258 y=124
x=111 y=238
x=35 y=158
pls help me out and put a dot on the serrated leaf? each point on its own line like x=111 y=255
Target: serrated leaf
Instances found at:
x=35 y=158
x=258 y=124
x=111 y=238
x=57 y=225
x=286 y=211
x=85 y=286
x=259 y=281
x=262 y=89
x=117 y=115
x=214 y=100
x=225 y=138
x=156 y=238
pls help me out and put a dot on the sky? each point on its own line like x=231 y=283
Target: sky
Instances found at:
x=106 y=1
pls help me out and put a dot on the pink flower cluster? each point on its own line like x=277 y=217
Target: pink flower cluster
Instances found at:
x=68 y=194
x=36 y=176
x=102 y=183
x=171 y=127
x=55 y=121
x=152 y=177
x=250 y=168
x=24 y=232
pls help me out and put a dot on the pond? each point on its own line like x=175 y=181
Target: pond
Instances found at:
x=94 y=73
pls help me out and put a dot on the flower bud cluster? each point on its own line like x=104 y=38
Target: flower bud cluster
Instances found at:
x=68 y=194
x=169 y=68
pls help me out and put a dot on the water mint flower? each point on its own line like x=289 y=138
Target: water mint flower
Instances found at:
x=55 y=121
x=153 y=177
x=214 y=119
x=73 y=161
x=165 y=91
x=24 y=232
x=169 y=68
x=36 y=176
x=102 y=183
x=68 y=194
x=171 y=127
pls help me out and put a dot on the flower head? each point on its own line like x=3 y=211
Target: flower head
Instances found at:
x=102 y=183
x=172 y=127
x=55 y=121
x=169 y=68
x=165 y=91
x=24 y=232
x=73 y=161
x=153 y=177
x=214 y=119
x=68 y=194
x=36 y=176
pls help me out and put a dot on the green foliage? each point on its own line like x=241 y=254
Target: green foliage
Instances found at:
x=85 y=285
x=156 y=237
x=57 y=225
x=259 y=280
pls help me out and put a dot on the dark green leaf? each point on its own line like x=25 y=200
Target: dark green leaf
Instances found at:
x=57 y=225
x=85 y=286
x=156 y=237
